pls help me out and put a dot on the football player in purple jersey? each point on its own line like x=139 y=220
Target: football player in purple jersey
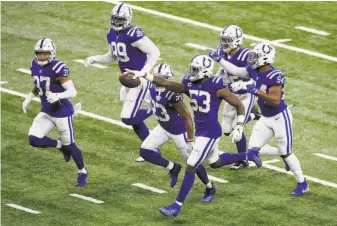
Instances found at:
x=129 y=46
x=206 y=93
x=175 y=123
x=54 y=87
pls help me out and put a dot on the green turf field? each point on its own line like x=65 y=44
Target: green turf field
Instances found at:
x=39 y=178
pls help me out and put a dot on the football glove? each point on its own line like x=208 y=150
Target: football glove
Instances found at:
x=52 y=97
x=214 y=55
x=89 y=61
x=239 y=85
x=236 y=134
x=252 y=89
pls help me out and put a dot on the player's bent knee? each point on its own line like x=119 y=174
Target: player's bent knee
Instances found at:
x=215 y=165
x=34 y=141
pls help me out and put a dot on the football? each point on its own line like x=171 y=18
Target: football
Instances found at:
x=126 y=80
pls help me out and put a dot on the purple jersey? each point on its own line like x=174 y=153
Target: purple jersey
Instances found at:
x=272 y=77
x=166 y=113
x=205 y=104
x=128 y=57
x=45 y=80
x=239 y=59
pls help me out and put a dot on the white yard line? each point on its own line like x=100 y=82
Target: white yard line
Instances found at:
x=23 y=208
x=212 y=178
x=94 y=65
x=215 y=28
x=92 y=115
x=326 y=156
x=282 y=170
x=3 y=82
x=196 y=46
x=275 y=41
x=26 y=71
x=312 y=30
x=149 y=188
x=87 y=198
x=252 y=164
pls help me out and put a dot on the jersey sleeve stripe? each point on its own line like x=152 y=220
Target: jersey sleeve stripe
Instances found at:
x=59 y=69
x=244 y=56
x=168 y=93
x=218 y=80
x=56 y=65
x=169 y=98
x=129 y=32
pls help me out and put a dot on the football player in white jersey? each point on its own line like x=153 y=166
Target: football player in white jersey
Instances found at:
x=133 y=50
x=231 y=50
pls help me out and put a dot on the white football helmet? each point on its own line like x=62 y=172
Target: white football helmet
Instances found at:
x=262 y=54
x=120 y=17
x=165 y=71
x=201 y=66
x=45 y=45
x=231 y=37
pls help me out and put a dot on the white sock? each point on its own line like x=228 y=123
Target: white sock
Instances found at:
x=59 y=144
x=252 y=115
x=179 y=203
x=209 y=185
x=83 y=170
x=170 y=166
x=269 y=150
x=295 y=167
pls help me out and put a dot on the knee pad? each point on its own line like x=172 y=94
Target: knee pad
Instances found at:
x=34 y=141
x=285 y=156
x=226 y=134
x=214 y=165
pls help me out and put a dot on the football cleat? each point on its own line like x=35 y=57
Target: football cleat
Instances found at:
x=256 y=112
x=170 y=211
x=253 y=155
x=301 y=188
x=208 y=194
x=82 y=179
x=240 y=165
x=140 y=159
x=174 y=174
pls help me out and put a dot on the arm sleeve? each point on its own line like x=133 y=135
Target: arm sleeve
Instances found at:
x=148 y=47
x=106 y=58
x=175 y=97
x=234 y=70
x=70 y=91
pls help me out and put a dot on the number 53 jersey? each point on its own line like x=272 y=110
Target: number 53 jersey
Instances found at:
x=45 y=80
x=205 y=105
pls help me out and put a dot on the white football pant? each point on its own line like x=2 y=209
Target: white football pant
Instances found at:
x=43 y=124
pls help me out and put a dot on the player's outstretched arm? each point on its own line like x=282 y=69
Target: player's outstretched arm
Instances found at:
x=186 y=116
x=159 y=81
x=104 y=59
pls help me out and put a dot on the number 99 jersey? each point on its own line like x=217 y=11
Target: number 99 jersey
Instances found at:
x=45 y=80
x=205 y=105
x=128 y=56
x=166 y=113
